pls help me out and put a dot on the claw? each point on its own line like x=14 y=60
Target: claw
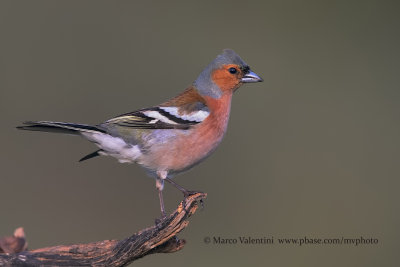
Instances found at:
x=188 y=193
x=158 y=221
x=202 y=204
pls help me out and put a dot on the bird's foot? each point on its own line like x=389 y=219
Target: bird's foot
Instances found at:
x=158 y=221
x=188 y=193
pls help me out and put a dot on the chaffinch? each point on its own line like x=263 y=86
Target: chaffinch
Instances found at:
x=174 y=136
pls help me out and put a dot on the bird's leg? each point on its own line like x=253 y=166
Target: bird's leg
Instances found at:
x=160 y=187
x=185 y=192
x=161 y=176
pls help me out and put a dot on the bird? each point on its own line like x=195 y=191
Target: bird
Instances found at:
x=174 y=136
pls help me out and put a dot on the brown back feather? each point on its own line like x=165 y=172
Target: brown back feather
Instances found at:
x=189 y=99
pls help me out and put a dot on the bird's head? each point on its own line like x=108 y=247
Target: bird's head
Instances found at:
x=225 y=73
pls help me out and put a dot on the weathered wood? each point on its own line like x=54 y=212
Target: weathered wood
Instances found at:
x=15 y=243
x=160 y=238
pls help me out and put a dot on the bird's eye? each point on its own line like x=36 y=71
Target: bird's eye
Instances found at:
x=232 y=70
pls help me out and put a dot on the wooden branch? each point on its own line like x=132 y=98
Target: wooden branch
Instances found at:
x=15 y=243
x=160 y=238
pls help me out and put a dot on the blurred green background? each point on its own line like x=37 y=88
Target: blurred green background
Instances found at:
x=313 y=151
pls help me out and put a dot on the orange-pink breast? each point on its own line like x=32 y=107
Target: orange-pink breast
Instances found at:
x=183 y=149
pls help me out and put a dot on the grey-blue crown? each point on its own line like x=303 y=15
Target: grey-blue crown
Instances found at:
x=204 y=83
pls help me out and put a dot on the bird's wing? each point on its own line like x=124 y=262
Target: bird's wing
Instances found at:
x=161 y=117
x=181 y=112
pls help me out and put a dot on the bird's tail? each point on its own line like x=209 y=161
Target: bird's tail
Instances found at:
x=58 y=127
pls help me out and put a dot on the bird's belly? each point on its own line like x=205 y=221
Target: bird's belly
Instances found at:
x=180 y=150
x=115 y=147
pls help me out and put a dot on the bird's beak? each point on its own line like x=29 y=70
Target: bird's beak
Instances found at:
x=251 y=77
